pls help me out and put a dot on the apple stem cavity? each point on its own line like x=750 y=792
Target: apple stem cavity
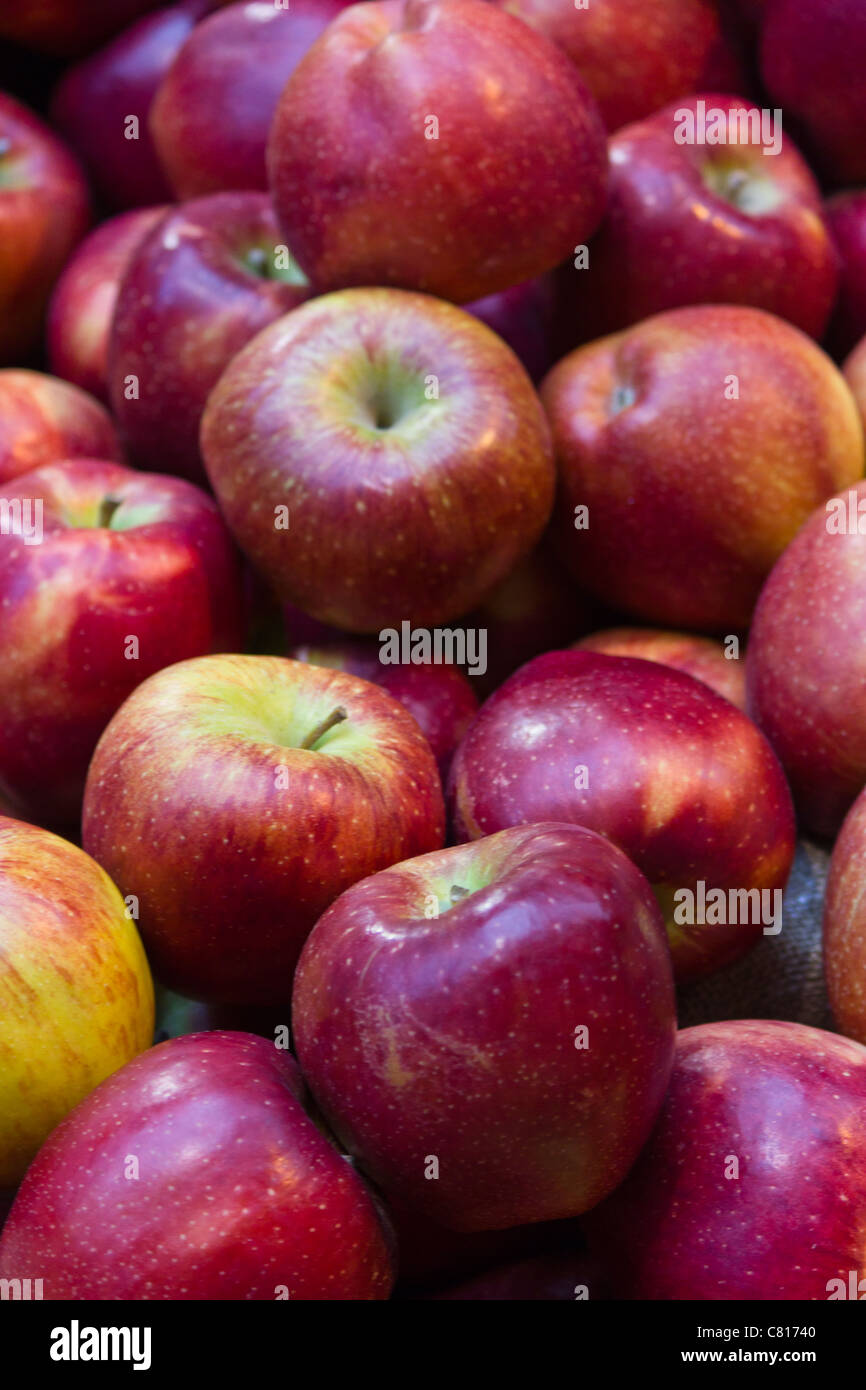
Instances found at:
x=335 y=717
x=457 y=893
x=107 y=508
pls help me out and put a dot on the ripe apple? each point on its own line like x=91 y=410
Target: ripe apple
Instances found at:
x=707 y=224
x=440 y=698
x=81 y=310
x=667 y=769
x=844 y=926
x=43 y=420
x=701 y=657
x=753 y=1185
x=846 y=216
x=196 y=1173
x=854 y=372
x=237 y=796
x=435 y=145
x=523 y=316
x=214 y=107
x=97 y=101
x=806 y=663
x=401 y=442
x=203 y=282
x=691 y=449
x=503 y=1065
x=66 y=28
x=77 y=998
x=635 y=57
x=44 y=211
x=812 y=61
x=137 y=571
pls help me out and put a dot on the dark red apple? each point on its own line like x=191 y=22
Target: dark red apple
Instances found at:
x=667 y=769
x=846 y=215
x=844 y=926
x=489 y=1028
x=43 y=420
x=523 y=316
x=753 y=1185
x=543 y=1278
x=196 y=1173
x=67 y=27
x=702 y=657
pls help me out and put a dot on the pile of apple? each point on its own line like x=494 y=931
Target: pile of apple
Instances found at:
x=323 y=326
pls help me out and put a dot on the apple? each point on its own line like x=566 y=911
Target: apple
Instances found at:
x=844 y=926
x=76 y=991
x=81 y=310
x=101 y=105
x=44 y=212
x=691 y=449
x=563 y=1277
x=43 y=420
x=214 y=107
x=635 y=57
x=435 y=145
x=806 y=663
x=440 y=698
x=196 y=1173
x=138 y=571
x=846 y=216
x=855 y=374
x=523 y=316
x=812 y=59
x=237 y=796
x=696 y=223
x=503 y=1065
x=702 y=657
x=753 y=1185
x=204 y=280
x=671 y=772
x=381 y=456
x=66 y=28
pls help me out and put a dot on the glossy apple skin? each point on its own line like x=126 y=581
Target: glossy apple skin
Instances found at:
x=44 y=212
x=237 y=1194
x=846 y=216
x=678 y=777
x=365 y=198
x=812 y=60
x=416 y=517
x=440 y=699
x=199 y=792
x=787 y=1102
x=214 y=107
x=701 y=657
x=82 y=305
x=163 y=570
x=94 y=99
x=844 y=926
x=456 y=1039
x=806 y=668
x=706 y=224
x=76 y=998
x=67 y=28
x=43 y=420
x=633 y=57
x=187 y=304
x=523 y=316
x=693 y=496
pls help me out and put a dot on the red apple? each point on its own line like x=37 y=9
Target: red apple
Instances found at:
x=812 y=61
x=855 y=374
x=523 y=316
x=205 y=280
x=214 y=107
x=137 y=571
x=440 y=698
x=701 y=657
x=381 y=457
x=503 y=1065
x=635 y=57
x=436 y=145
x=44 y=211
x=82 y=306
x=67 y=27
x=43 y=420
x=701 y=223
x=846 y=215
x=543 y=1278
x=675 y=775
x=196 y=1173
x=237 y=796
x=691 y=449
x=753 y=1185
x=844 y=925
x=806 y=663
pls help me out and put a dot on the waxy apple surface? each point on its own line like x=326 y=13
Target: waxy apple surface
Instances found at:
x=435 y=145
x=437 y=1011
x=846 y=217
x=237 y=796
x=236 y=1193
x=44 y=420
x=405 y=445
x=753 y=1184
x=701 y=657
x=675 y=775
x=76 y=998
x=844 y=926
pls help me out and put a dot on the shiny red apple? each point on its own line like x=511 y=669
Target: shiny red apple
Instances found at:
x=846 y=216
x=717 y=665
x=43 y=420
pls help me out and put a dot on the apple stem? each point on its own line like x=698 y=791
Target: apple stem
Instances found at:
x=457 y=893
x=335 y=717
x=107 y=507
